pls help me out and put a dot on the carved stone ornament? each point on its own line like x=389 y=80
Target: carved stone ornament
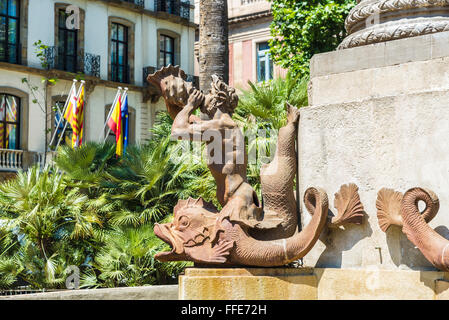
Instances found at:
x=349 y=207
x=244 y=232
x=374 y=21
x=403 y=211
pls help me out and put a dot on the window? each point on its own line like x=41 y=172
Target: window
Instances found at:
x=9 y=122
x=119 y=53
x=9 y=30
x=264 y=62
x=166 y=51
x=59 y=118
x=67 y=44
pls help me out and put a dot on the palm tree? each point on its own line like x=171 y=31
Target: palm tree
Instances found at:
x=127 y=259
x=214 y=43
x=261 y=113
x=48 y=225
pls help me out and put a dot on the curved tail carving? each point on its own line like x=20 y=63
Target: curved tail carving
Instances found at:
x=250 y=251
x=414 y=223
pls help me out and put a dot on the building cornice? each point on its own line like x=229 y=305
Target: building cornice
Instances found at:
x=250 y=17
x=64 y=75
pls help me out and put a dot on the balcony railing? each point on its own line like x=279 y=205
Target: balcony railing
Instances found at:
x=140 y=3
x=243 y=2
x=146 y=72
x=86 y=63
x=122 y=75
x=6 y=56
x=11 y=160
x=14 y=160
x=176 y=7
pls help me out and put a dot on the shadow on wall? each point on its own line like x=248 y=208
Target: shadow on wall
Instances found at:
x=341 y=239
x=404 y=252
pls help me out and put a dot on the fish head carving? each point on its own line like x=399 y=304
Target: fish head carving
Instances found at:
x=193 y=226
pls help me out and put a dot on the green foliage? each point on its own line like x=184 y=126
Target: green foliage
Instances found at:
x=47 y=223
x=301 y=29
x=127 y=259
x=262 y=112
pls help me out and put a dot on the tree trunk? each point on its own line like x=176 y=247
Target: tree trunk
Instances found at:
x=214 y=47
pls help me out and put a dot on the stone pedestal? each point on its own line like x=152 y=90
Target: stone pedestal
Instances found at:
x=374 y=21
x=378 y=117
x=312 y=284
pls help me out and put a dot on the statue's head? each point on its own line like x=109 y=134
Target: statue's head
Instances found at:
x=221 y=97
x=193 y=226
x=171 y=81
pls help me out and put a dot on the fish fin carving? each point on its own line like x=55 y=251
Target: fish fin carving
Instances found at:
x=195 y=203
x=221 y=251
x=349 y=207
x=388 y=206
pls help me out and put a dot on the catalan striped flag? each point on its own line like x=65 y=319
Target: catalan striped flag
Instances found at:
x=11 y=115
x=2 y=114
x=69 y=114
x=78 y=120
x=115 y=124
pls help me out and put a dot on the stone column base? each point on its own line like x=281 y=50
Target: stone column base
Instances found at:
x=312 y=284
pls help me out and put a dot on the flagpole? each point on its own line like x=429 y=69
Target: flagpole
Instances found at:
x=65 y=127
x=83 y=83
x=110 y=114
x=125 y=93
x=63 y=112
x=125 y=122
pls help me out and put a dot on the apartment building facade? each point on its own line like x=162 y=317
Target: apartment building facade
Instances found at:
x=107 y=43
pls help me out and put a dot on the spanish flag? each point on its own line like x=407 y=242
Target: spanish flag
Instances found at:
x=115 y=123
x=78 y=120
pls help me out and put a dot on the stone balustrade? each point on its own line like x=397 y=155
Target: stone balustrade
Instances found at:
x=14 y=160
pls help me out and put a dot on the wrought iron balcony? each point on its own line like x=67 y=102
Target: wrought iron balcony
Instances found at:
x=86 y=63
x=10 y=56
x=120 y=74
x=146 y=72
x=140 y=3
x=176 y=7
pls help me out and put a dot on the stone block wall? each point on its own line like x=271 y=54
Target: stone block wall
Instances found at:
x=378 y=117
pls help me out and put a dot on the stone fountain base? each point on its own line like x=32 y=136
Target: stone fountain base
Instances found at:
x=312 y=284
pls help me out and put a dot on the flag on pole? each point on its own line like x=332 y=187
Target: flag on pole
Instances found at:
x=11 y=115
x=71 y=108
x=78 y=120
x=115 y=124
x=2 y=114
x=60 y=124
x=125 y=121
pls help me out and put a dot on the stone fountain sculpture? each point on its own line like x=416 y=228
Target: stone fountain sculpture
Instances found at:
x=244 y=232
